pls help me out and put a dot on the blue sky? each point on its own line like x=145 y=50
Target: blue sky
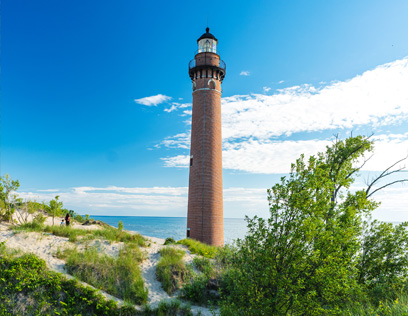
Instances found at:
x=96 y=97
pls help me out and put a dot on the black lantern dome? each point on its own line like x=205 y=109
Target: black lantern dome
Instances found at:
x=207 y=43
x=207 y=34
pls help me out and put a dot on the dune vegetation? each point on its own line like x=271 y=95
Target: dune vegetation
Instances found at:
x=319 y=253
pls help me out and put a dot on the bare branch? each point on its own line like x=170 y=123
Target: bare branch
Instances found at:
x=386 y=185
x=384 y=174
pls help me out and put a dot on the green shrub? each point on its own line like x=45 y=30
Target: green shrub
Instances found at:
x=120 y=225
x=169 y=240
x=79 y=218
x=168 y=308
x=196 y=290
x=120 y=276
x=199 y=248
x=204 y=265
x=28 y=288
x=171 y=270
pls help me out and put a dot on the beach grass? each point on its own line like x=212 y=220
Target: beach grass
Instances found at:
x=108 y=233
x=199 y=248
x=171 y=270
x=119 y=276
x=168 y=308
x=204 y=265
x=27 y=287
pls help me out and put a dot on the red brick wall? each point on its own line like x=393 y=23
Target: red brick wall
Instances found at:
x=205 y=198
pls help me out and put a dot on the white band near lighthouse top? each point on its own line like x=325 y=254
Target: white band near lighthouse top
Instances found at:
x=220 y=92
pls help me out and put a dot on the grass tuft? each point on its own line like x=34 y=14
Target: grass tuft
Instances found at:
x=120 y=276
x=171 y=270
x=199 y=248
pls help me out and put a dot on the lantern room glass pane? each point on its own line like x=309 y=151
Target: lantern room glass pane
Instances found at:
x=207 y=45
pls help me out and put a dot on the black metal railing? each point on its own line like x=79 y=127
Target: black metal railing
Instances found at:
x=193 y=64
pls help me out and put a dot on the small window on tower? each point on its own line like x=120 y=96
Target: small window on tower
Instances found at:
x=191 y=161
x=212 y=84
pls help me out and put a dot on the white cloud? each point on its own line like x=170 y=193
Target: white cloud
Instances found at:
x=177 y=141
x=244 y=73
x=153 y=100
x=266 y=89
x=378 y=97
x=282 y=81
x=268 y=157
x=180 y=161
x=175 y=106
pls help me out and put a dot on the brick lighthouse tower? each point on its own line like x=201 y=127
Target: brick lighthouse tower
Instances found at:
x=205 y=220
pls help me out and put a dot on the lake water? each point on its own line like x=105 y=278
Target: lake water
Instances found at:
x=163 y=227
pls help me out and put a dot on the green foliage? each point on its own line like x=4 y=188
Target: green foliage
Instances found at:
x=120 y=225
x=169 y=241
x=55 y=208
x=204 y=287
x=79 y=218
x=204 y=265
x=383 y=265
x=7 y=198
x=113 y=234
x=168 y=308
x=29 y=227
x=196 y=290
x=310 y=256
x=108 y=233
x=199 y=248
x=171 y=270
x=28 y=288
x=120 y=276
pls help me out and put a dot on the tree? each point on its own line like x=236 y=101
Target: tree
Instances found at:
x=307 y=257
x=7 y=196
x=55 y=208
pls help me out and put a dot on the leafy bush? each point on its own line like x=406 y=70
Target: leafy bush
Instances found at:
x=171 y=270
x=79 y=218
x=169 y=241
x=120 y=225
x=204 y=265
x=199 y=248
x=168 y=308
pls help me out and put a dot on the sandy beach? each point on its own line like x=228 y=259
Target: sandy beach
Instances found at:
x=46 y=245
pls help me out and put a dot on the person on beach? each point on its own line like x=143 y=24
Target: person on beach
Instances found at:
x=67 y=219
x=62 y=222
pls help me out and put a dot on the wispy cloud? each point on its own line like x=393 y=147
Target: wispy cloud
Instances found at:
x=175 y=106
x=153 y=100
x=244 y=73
x=266 y=89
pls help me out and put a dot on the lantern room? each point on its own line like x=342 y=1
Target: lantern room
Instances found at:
x=207 y=43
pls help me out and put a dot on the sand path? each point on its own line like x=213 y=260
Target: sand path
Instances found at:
x=148 y=267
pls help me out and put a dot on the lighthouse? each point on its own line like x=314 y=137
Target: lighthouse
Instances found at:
x=205 y=220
